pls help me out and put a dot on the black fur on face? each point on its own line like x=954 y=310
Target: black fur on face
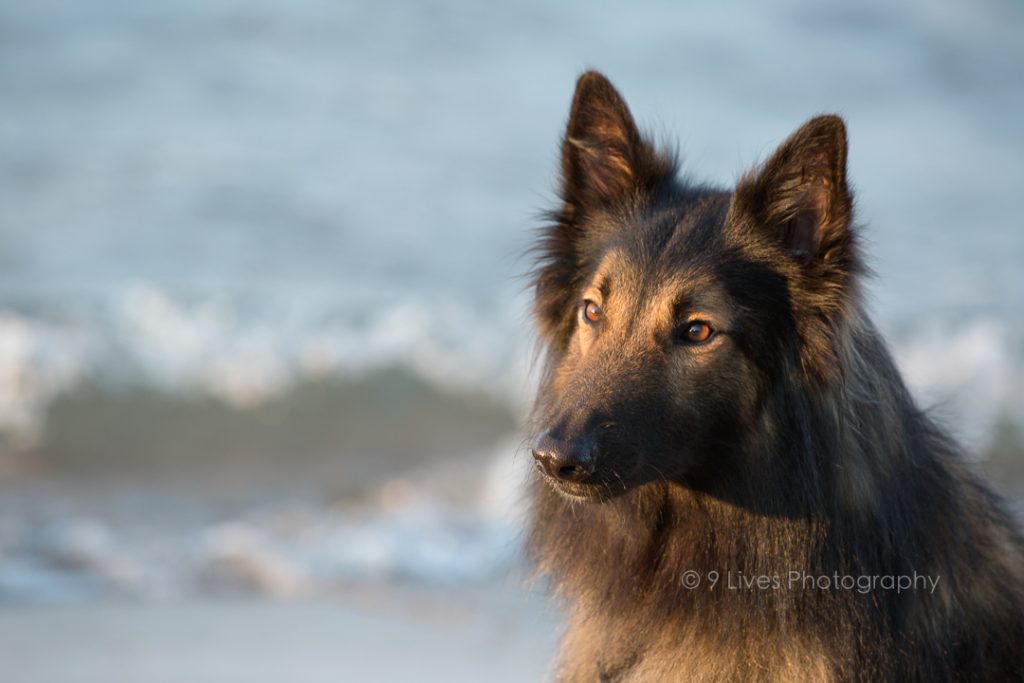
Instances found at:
x=629 y=398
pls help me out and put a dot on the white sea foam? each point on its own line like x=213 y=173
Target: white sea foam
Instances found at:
x=246 y=354
x=414 y=532
x=971 y=374
x=38 y=361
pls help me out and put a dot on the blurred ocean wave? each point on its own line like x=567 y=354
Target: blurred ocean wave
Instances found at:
x=458 y=524
x=247 y=351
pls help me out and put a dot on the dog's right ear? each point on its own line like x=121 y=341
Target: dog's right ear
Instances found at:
x=605 y=163
x=604 y=157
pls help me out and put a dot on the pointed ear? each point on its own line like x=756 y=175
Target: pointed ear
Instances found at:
x=605 y=160
x=800 y=195
x=604 y=157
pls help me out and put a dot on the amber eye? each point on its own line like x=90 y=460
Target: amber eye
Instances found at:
x=697 y=331
x=591 y=311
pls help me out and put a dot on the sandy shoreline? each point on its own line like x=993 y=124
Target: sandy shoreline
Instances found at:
x=383 y=635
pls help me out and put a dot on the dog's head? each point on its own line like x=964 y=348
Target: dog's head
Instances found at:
x=669 y=311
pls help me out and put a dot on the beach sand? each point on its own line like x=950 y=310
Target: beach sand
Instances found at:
x=382 y=634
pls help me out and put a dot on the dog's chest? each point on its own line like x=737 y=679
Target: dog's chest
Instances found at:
x=688 y=653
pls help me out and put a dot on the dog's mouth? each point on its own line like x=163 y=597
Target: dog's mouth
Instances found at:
x=579 y=492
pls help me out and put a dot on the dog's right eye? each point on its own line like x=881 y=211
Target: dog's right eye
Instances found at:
x=591 y=311
x=697 y=332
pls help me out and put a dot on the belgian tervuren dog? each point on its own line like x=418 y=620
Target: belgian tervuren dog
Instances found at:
x=734 y=483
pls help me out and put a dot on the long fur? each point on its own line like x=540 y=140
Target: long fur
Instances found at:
x=832 y=469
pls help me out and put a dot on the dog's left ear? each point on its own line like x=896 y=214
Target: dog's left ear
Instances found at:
x=801 y=198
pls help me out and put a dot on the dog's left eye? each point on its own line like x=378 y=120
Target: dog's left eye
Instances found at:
x=697 y=331
x=591 y=311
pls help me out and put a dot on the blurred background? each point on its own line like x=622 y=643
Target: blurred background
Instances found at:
x=264 y=333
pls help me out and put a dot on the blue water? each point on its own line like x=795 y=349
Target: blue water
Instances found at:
x=226 y=199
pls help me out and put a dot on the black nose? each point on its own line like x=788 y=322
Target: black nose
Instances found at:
x=565 y=459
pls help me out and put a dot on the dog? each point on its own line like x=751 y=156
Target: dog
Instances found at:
x=733 y=482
